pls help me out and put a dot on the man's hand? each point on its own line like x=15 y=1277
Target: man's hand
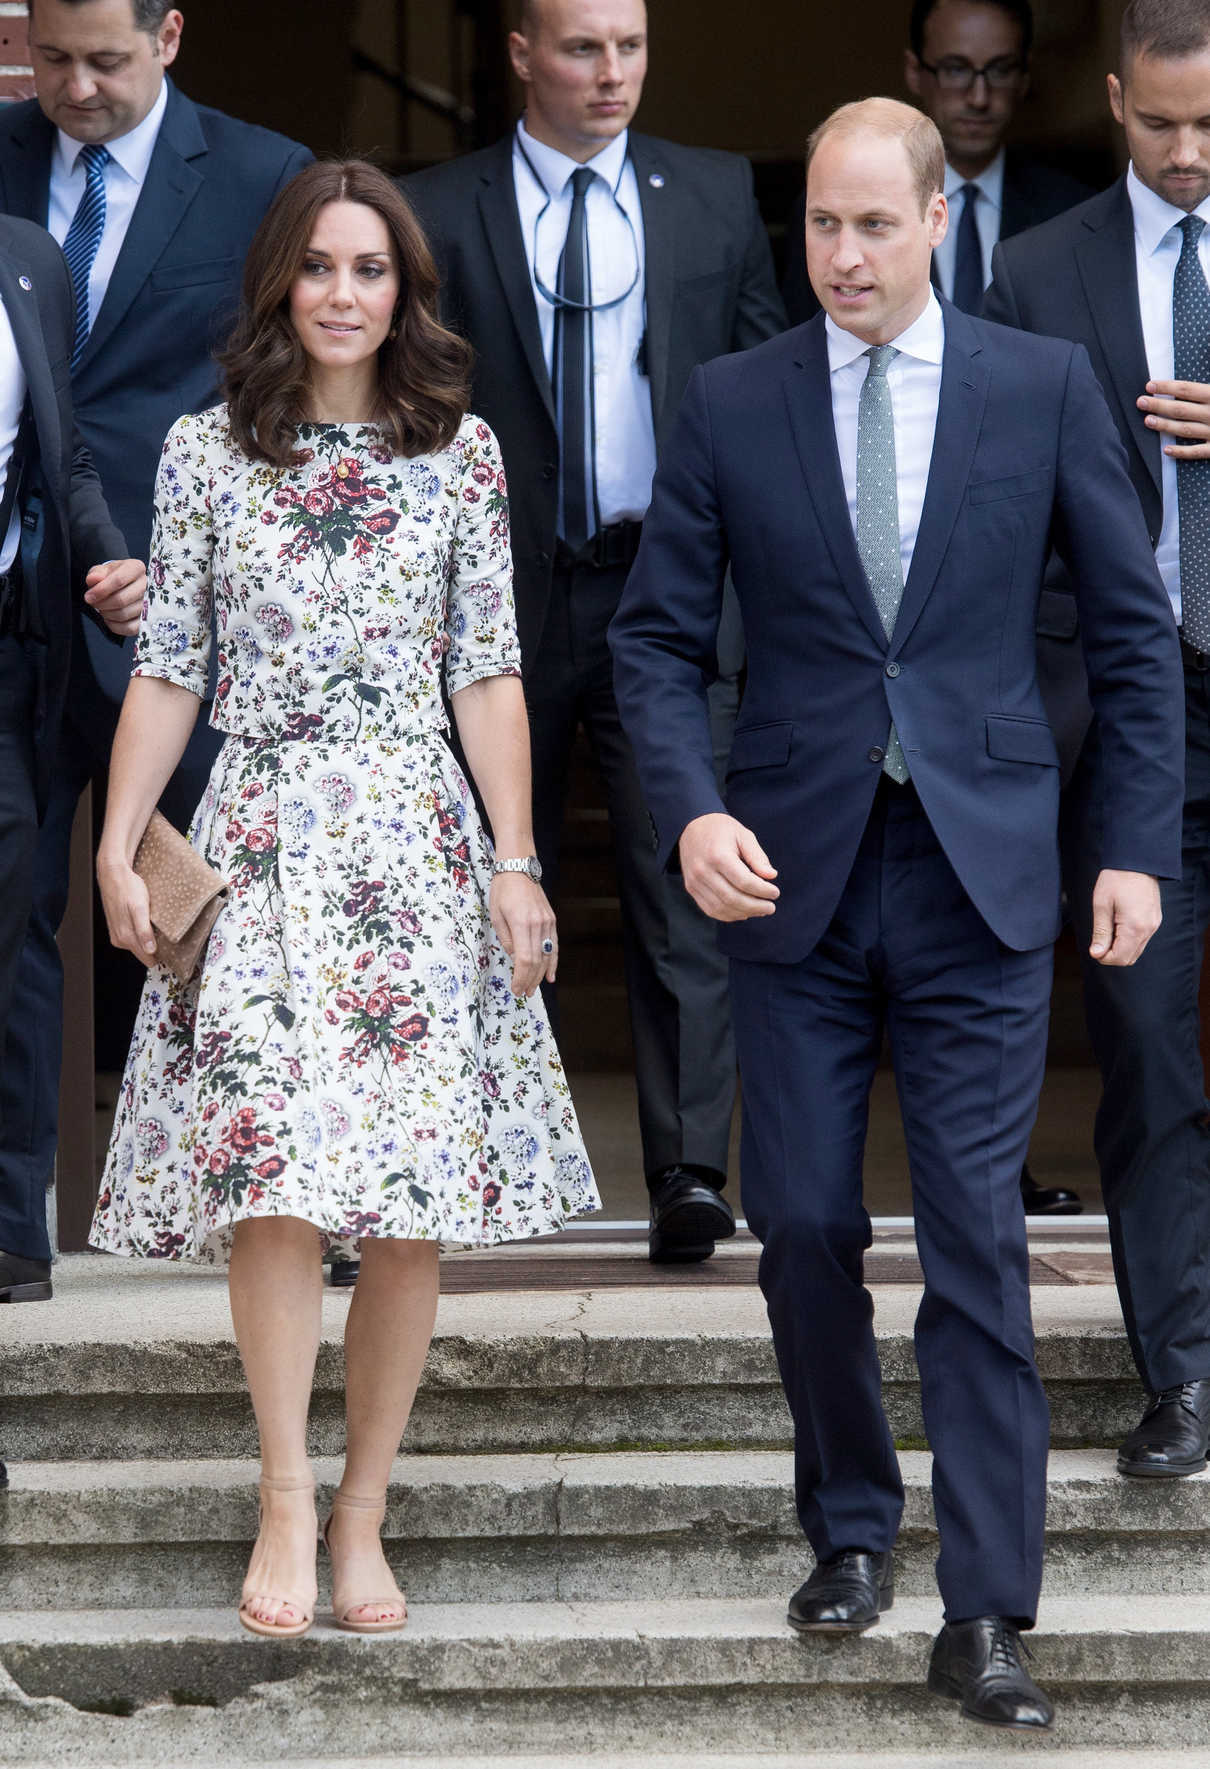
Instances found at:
x=1180 y=408
x=115 y=591
x=1125 y=914
x=725 y=869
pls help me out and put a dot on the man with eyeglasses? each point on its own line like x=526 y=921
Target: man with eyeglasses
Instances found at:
x=968 y=67
x=593 y=268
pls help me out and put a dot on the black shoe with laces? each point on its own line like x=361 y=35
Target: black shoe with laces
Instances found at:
x=1173 y=1436
x=978 y=1664
x=844 y=1595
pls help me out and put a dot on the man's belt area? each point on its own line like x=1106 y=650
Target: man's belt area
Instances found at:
x=1194 y=659
x=12 y=600
x=608 y=548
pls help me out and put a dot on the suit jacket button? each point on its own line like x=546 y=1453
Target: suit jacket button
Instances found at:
x=549 y=470
x=542 y=558
x=877 y=755
x=892 y=670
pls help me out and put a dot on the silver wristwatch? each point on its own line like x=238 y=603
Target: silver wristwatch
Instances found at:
x=530 y=864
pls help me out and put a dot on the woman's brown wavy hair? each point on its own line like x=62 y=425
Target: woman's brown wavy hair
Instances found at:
x=423 y=371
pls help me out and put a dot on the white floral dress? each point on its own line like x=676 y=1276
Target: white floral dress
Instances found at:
x=350 y=1052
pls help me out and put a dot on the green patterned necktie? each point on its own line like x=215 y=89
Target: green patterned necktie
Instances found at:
x=878 y=513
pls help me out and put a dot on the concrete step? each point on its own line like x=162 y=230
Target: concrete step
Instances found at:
x=533 y=1528
x=184 y=1686
x=136 y=1360
x=798 y=1759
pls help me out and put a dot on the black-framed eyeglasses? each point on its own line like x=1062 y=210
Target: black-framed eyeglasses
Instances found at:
x=956 y=75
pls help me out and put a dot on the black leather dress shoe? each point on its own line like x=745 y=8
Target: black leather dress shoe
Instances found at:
x=343 y=1273
x=1172 y=1437
x=845 y=1595
x=24 y=1280
x=1048 y=1200
x=978 y=1663
x=688 y=1215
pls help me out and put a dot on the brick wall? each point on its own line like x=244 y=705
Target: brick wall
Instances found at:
x=16 y=77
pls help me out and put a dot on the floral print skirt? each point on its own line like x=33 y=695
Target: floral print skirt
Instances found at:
x=350 y=1052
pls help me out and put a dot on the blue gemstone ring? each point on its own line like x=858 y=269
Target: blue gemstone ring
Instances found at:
x=548 y=947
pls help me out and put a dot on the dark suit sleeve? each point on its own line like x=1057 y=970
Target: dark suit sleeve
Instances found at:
x=1131 y=649
x=1000 y=301
x=302 y=156
x=759 y=313
x=665 y=633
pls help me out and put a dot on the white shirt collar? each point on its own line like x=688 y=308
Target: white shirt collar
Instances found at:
x=130 y=152
x=1154 y=219
x=990 y=181
x=554 y=169
x=924 y=339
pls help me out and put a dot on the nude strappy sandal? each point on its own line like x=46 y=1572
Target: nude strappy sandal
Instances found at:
x=343 y=1604
x=303 y=1606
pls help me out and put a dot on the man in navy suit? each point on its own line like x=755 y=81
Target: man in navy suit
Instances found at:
x=154 y=200
x=1126 y=276
x=58 y=547
x=886 y=483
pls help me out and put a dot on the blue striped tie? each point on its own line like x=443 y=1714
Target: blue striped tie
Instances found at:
x=83 y=240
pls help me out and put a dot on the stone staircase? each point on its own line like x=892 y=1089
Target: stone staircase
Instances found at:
x=594 y=1527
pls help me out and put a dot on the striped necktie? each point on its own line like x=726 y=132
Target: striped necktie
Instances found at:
x=83 y=240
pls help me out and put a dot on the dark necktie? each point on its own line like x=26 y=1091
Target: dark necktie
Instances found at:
x=1191 y=362
x=573 y=358
x=968 y=258
x=83 y=240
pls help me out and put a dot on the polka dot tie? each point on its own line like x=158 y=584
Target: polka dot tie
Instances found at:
x=1191 y=362
x=878 y=512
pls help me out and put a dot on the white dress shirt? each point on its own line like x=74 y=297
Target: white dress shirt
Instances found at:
x=989 y=214
x=915 y=383
x=12 y=403
x=624 y=428
x=129 y=158
x=1157 y=247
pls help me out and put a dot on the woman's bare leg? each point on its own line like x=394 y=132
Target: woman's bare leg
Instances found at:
x=276 y=1288
x=387 y=1338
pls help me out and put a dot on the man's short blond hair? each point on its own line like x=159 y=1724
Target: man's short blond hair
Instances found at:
x=893 y=121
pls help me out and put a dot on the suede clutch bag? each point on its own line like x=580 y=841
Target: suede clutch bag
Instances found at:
x=185 y=896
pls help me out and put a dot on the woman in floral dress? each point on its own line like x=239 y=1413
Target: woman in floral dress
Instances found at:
x=362 y=1062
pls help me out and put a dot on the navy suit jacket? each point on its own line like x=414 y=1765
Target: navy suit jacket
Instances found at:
x=710 y=288
x=1026 y=455
x=171 y=299
x=66 y=528
x=1075 y=278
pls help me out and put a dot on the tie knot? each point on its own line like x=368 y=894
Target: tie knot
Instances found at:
x=95 y=156
x=581 y=178
x=881 y=357
x=1192 y=227
x=969 y=193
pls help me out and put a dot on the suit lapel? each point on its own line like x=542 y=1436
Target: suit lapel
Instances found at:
x=964 y=383
x=808 y=392
x=26 y=170
x=502 y=228
x=169 y=188
x=1016 y=209
x=1106 y=262
x=21 y=305
x=657 y=198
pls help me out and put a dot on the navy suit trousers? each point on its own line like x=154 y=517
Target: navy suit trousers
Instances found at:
x=1153 y=1122
x=906 y=954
